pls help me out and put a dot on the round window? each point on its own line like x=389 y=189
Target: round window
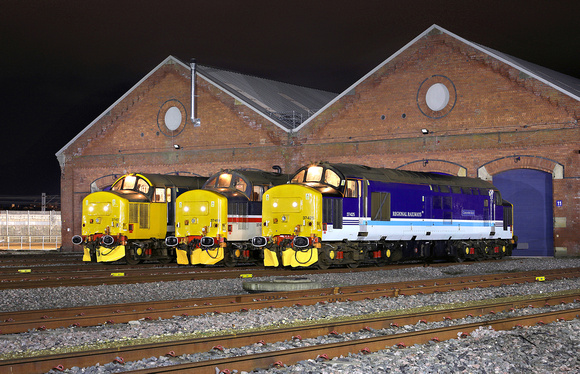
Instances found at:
x=173 y=118
x=437 y=97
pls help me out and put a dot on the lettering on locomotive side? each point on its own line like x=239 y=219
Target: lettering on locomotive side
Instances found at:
x=468 y=212
x=350 y=214
x=407 y=214
x=308 y=217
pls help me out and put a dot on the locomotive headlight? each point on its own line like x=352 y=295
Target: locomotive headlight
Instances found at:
x=106 y=208
x=294 y=204
x=275 y=205
x=186 y=209
x=202 y=208
x=91 y=208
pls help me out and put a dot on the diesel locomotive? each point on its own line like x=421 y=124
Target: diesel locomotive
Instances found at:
x=217 y=223
x=132 y=219
x=343 y=214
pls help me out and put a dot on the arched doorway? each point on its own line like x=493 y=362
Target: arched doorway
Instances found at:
x=530 y=191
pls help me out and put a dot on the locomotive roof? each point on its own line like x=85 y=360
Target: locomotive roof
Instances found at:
x=255 y=176
x=405 y=176
x=166 y=180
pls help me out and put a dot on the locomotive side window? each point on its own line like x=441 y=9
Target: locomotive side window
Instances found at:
x=444 y=189
x=314 y=174
x=456 y=189
x=330 y=177
x=299 y=178
x=351 y=189
x=159 y=195
x=257 y=193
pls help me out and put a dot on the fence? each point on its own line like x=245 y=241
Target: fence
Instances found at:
x=30 y=230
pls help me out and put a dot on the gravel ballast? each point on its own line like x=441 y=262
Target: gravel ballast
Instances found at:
x=515 y=350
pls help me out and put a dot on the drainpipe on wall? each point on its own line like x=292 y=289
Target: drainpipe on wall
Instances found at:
x=196 y=122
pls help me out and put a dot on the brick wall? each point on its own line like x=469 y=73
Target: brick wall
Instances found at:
x=495 y=114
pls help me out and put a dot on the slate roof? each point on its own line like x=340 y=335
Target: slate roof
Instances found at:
x=288 y=104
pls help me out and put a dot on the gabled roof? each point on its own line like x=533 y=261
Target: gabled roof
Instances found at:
x=285 y=105
x=567 y=85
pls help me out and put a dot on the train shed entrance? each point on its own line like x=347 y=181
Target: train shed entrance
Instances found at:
x=530 y=191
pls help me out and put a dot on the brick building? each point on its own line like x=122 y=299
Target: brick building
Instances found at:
x=439 y=104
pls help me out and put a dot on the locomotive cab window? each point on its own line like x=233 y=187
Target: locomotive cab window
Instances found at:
x=168 y=194
x=314 y=174
x=330 y=177
x=240 y=184
x=299 y=178
x=142 y=186
x=351 y=189
x=224 y=180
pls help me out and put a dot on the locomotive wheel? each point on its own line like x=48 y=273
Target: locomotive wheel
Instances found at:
x=323 y=262
x=130 y=257
x=229 y=260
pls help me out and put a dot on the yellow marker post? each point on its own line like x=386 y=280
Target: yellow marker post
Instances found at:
x=25 y=270
x=246 y=275
x=117 y=274
x=540 y=279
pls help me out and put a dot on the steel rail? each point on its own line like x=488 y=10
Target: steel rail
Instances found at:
x=189 y=346
x=292 y=356
x=15 y=322
x=69 y=279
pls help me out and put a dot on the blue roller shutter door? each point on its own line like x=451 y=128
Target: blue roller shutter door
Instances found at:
x=530 y=191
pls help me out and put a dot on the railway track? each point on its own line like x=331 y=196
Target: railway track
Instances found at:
x=21 y=321
x=33 y=277
x=290 y=356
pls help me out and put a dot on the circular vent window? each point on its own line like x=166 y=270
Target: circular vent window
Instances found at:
x=437 y=97
x=173 y=118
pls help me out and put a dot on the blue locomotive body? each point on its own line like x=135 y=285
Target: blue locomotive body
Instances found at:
x=381 y=215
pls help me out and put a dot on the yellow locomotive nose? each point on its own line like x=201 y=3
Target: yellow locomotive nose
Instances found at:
x=291 y=216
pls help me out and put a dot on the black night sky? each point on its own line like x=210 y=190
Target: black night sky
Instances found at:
x=63 y=62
